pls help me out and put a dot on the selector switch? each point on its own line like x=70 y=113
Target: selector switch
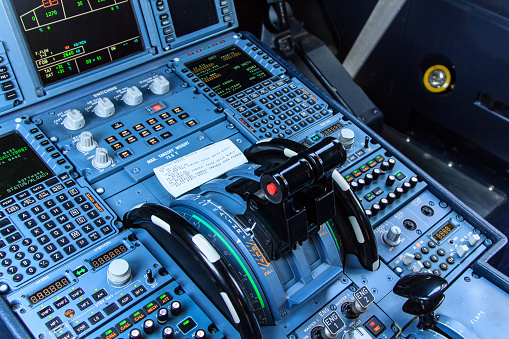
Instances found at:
x=358 y=333
x=473 y=239
x=135 y=334
x=462 y=250
x=101 y=158
x=168 y=332
x=86 y=142
x=104 y=108
x=119 y=272
x=133 y=96
x=74 y=120
x=160 y=85
x=393 y=236
x=390 y=180
x=417 y=267
x=149 y=326
x=347 y=137
x=408 y=258
x=162 y=315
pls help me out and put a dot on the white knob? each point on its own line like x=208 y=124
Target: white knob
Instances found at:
x=462 y=250
x=101 y=158
x=160 y=85
x=133 y=96
x=358 y=333
x=473 y=239
x=104 y=108
x=119 y=272
x=346 y=136
x=408 y=258
x=74 y=120
x=393 y=236
x=417 y=266
x=86 y=143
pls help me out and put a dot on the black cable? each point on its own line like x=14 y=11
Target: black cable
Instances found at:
x=162 y=222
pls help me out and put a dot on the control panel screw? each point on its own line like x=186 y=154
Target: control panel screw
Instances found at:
x=283 y=314
x=333 y=307
x=467 y=279
x=99 y=190
x=201 y=138
x=184 y=84
x=136 y=170
x=292 y=336
x=230 y=126
x=38 y=121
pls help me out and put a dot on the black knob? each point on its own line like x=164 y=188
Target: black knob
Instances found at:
x=406 y=186
x=361 y=183
x=354 y=186
x=384 y=166
x=383 y=203
x=200 y=334
x=391 y=162
x=391 y=197
x=149 y=326
x=162 y=315
x=135 y=334
x=399 y=192
x=150 y=277
x=375 y=209
x=390 y=180
x=413 y=181
x=168 y=332
x=376 y=173
x=369 y=214
x=176 y=308
x=368 y=178
x=425 y=293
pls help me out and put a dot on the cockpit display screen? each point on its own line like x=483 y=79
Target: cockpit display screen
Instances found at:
x=228 y=71
x=69 y=37
x=20 y=166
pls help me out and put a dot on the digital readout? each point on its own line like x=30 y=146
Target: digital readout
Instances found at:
x=443 y=232
x=48 y=290
x=108 y=256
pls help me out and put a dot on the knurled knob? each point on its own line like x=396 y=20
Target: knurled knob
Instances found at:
x=101 y=158
x=393 y=236
x=86 y=142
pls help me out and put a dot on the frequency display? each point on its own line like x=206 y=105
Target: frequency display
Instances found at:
x=69 y=37
x=20 y=166
x=228 y=71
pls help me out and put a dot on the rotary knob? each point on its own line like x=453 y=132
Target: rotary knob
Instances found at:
x=135 y=334
x=175 y=308
x=347 y=137
x=104 y=108
x=86 y=142
x=149 y=326
x=368 y=178
x=391 y=197
x=391 y=162
x=384 y=166
x=408 y=258
x=168 y=332
x=200 y=334
x=391 y=179
x=74 y=120
x=162 y=315
x=119 y=272
x=101 y=158
x=413 y=181
x=133 y=96
x=376 y=173
x=393 y=236
x=361 y=183
x=160 y=85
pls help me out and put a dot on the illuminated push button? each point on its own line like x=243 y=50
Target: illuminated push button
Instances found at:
x=86 y=142
x=149 y=326
x=347 y=137
x=133 y=96
x=101 y=158
x=473 y=239
x=119 y=272
x=168 y=332
x=462 y=250
x=74 y=120
x=176 y=308
x=160 y=85
x=104 y=108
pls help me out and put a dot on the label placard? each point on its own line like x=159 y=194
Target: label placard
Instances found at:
x=192 y=170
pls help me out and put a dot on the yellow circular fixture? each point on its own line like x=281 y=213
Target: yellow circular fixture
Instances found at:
x=437 y=79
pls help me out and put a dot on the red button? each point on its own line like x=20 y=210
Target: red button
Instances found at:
x=157 y=107
x=271 y=189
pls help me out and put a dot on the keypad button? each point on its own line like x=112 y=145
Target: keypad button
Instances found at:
x=32 y=249
x=38 y=256
x=26 y=242
x=31 y=270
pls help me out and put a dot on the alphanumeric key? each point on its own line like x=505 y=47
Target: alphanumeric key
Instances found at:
x=37 y=231
x=62 y=241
